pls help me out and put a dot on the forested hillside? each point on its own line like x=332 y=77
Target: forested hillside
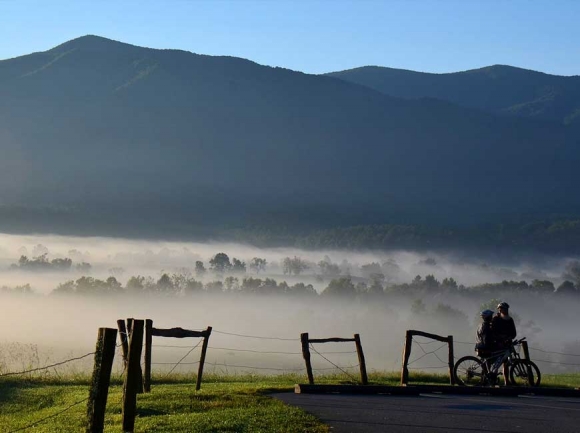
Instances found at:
x=103 y=137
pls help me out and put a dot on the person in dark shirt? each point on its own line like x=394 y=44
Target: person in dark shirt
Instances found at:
x=484 y=336
x=503 y=326
x=504 y=331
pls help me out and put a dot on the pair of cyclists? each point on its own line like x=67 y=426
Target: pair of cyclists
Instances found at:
x=495 y=333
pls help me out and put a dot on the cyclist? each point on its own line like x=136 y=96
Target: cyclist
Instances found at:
x=503 y=326
x=484 y=337
x=504 y=331
x=484 y=343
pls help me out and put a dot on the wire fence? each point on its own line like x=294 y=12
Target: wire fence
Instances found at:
x=326 y=364
x=420 y=343
x=279 y=366
x=46 y=367
x=54 y=415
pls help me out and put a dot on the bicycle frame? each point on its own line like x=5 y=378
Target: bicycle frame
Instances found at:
x=501 y=357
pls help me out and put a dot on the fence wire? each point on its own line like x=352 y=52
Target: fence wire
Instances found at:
x=335 y=366
x=46 y=367
x=54 y=415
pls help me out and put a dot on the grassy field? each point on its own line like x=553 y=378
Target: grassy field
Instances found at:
x=237 y=403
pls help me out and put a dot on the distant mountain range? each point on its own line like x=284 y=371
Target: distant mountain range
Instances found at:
x=101 y=136
x=498 y=89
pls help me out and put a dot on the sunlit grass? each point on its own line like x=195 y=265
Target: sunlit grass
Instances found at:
x=226 y=403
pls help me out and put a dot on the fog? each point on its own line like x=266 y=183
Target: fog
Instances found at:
x=38 y=328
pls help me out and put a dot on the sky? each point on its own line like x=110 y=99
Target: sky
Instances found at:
x=317 y=36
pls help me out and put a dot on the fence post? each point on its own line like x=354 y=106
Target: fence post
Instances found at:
x=148 y=349
x=139 y=379
x=451 y=359
x=527 y=358
x=123 y=336
x=104 y=355
x=306 y=354
x=406 y=355
x=361 y=359
x=132 y=377
x=202 y=358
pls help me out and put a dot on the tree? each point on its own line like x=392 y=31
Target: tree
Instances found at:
x=61 y=264
x=342 y=286
x=231 y=283
x=193 y=286
x=136 y=284
x=214 y=287
x=238 y=266
x=258 y=264
x=543 y=286
x=327 y=268
x=300 y=289
x=293 y=266
x=113 y=285
x=567 y=288
x=251 y=285
x=165 y=284
x=67 y=288
x=371 y=268
x=199 y=269
x=449 y=284
x=84 y=267
x=220 y=263
x=431 y=282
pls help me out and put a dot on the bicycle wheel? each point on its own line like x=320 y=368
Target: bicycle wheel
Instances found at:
x=518 y=372
x=469 y=371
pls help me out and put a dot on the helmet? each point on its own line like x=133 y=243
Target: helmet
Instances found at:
x=504 y=305
x=486 y=314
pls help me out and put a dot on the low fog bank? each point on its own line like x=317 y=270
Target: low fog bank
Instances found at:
x=123 y=258
x=385 y=299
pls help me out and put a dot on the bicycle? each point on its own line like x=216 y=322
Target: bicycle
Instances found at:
x=485 y=371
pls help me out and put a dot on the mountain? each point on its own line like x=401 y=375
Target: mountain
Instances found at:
x=498 y=89
x=98 y=136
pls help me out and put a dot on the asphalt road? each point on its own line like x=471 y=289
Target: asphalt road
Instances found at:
x=440 y=413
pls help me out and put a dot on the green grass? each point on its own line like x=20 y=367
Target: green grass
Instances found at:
x=235 y=403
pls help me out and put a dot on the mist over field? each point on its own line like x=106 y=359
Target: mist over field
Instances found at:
x=39 y=326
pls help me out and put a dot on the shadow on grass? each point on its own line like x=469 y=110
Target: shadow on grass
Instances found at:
x=144 y=412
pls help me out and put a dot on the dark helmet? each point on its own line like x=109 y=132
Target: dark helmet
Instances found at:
x=486 y=315
x=503 y=305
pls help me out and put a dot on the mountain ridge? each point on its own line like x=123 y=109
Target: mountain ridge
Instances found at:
x=498 y=89
x=172 y=137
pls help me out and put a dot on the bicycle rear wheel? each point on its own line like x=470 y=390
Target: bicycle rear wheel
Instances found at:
x=520 y=376
x=469 y=371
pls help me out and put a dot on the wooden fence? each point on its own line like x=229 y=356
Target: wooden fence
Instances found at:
x=407 y=353
x=306 y=341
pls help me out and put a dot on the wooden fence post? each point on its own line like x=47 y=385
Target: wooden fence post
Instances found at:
x=406 y=355
x=139 y=379
x=124 y=337
x=132 y=377
x=148 y=343
x=527 y=358
x=104 y=355
x=451 y=360
x=361 y=359
x=202 y=358
x=306 y=354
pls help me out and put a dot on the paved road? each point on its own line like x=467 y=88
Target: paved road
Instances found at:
x=440 y=413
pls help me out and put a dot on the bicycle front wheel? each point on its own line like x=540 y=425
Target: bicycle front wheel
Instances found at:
x=524 y=373
x=469 y=371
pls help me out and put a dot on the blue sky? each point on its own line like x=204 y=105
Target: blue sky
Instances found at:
x=317 y=36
